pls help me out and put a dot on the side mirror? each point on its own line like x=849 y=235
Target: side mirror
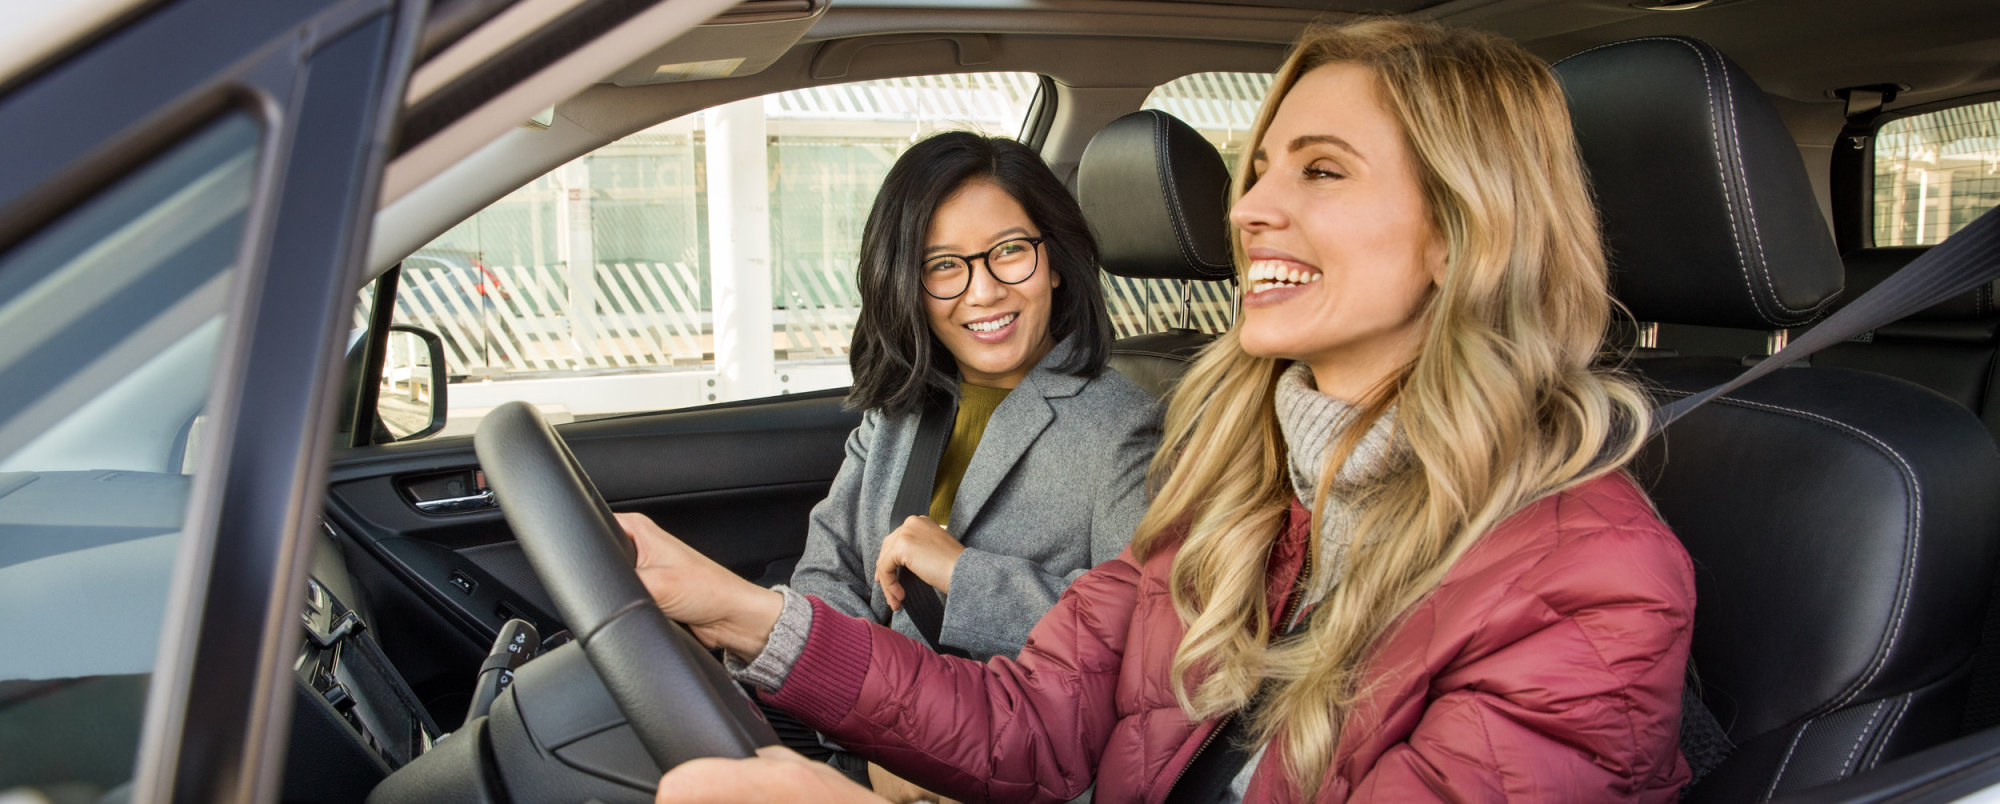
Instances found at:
x=411 y=404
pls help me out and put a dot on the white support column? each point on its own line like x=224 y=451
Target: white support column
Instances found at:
x=573 y=241
x=739 y=247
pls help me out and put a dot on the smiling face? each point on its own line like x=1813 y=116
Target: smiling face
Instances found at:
x=996 y=332
x=1340 y=248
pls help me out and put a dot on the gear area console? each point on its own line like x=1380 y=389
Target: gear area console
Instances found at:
x=354 y=718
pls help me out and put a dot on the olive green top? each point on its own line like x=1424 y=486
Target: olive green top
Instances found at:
x=976 y=404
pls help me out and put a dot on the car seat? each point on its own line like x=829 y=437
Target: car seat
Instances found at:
x=1157 y=197
x=1842 y=524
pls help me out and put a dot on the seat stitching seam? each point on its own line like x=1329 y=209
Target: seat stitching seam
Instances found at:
x=1762 y=259
x=1728 y=198
x=1861 y=738
x=1715 y=141
x=1183 y=237
x=1909 y=700
x=1773 y=791
x=1910 y=551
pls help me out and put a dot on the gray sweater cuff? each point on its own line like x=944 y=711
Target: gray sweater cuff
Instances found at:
x=788 y=640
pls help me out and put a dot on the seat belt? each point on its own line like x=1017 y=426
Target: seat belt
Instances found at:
x=1965 y=260
x=920 y=600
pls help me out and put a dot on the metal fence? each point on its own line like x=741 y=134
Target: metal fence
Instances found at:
x=1935 y=172
x=511 y=320
x=514 y=321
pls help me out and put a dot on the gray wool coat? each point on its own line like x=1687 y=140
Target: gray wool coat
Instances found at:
x=1056 y=487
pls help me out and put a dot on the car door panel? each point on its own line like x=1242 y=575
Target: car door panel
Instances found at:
x=316 y=84
x=735 y=481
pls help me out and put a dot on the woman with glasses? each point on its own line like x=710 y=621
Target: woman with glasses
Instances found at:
x=980 y=301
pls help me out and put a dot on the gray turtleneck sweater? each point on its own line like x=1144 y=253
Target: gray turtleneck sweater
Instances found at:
x=1312 y=422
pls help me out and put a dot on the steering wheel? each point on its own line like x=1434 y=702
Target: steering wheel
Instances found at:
x=678 y=699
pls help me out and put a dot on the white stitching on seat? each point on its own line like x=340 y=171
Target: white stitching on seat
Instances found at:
x=1909 y=700
x=1780 y=775
x=1910 y=549
x=1715 y=140
x=1861 y=738
x=1183 y=237
x=1749 y=204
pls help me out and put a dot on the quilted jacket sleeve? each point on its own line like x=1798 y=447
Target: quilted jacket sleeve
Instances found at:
x=1569 y=690
x=1030 y=729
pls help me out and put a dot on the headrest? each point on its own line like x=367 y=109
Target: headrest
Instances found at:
x=1157 y=195
x=1708 y=215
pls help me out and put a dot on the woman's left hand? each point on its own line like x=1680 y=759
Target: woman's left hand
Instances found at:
x=923 y=547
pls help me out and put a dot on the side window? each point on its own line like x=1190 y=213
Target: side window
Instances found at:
x=707 y=259
x=1222 y=106
x=1935 y=172
x=110 y=321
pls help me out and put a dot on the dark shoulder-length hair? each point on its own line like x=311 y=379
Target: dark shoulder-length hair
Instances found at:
x=896 y=359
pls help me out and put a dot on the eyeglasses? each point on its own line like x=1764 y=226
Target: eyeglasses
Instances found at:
x=1011 y=262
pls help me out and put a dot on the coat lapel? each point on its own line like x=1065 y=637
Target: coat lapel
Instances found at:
x=1015 y=426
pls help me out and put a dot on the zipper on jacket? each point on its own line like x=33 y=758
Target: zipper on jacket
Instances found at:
x=1292 y=605
x=1220 y=726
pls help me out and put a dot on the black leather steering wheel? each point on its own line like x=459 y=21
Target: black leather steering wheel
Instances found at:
x=680 y=702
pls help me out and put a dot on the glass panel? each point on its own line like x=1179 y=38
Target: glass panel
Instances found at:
x=1223 y=107
x=109 y=324
x=1935 y=172
x=592 y=290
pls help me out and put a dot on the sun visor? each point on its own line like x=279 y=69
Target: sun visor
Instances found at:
x=742 y=41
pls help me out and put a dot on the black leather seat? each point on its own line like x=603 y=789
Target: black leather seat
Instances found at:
x=1157 y=197
x=1843 y=524
x=1948 y=347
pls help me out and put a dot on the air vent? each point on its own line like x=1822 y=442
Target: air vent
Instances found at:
x=764 y=11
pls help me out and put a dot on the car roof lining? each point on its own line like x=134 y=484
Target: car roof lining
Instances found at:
x=1798 y=50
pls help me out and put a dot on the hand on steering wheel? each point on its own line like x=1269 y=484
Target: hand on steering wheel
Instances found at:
x=723 y=610
x=679 y=701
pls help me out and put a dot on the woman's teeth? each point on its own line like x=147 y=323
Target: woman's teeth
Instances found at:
x=993 y=325
x=1268 y=274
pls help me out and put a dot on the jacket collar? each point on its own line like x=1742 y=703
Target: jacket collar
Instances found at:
x=1287 y=564
x=1015 y=426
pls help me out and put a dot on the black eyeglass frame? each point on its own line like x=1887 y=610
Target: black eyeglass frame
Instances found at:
x=1035 y=247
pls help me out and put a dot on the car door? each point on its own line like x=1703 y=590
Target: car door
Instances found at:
x=182 y=198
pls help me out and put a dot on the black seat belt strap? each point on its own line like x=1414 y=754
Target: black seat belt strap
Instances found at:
x=1965 y=260
x=920 y=601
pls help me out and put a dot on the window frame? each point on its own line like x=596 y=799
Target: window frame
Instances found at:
x=1852 y=169
x=323 y=79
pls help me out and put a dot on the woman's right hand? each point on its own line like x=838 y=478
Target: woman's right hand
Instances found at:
x=723 y=610
x=775 y=774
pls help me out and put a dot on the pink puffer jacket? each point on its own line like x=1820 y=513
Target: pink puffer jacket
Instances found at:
x=1547 y=667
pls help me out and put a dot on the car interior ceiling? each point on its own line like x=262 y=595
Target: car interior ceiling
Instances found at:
x=1798 y=50
x=1848 y=690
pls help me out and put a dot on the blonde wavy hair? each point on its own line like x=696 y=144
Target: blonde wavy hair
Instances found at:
x=1503 y=404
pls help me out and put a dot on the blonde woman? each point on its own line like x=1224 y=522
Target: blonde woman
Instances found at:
x=1392 y=535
